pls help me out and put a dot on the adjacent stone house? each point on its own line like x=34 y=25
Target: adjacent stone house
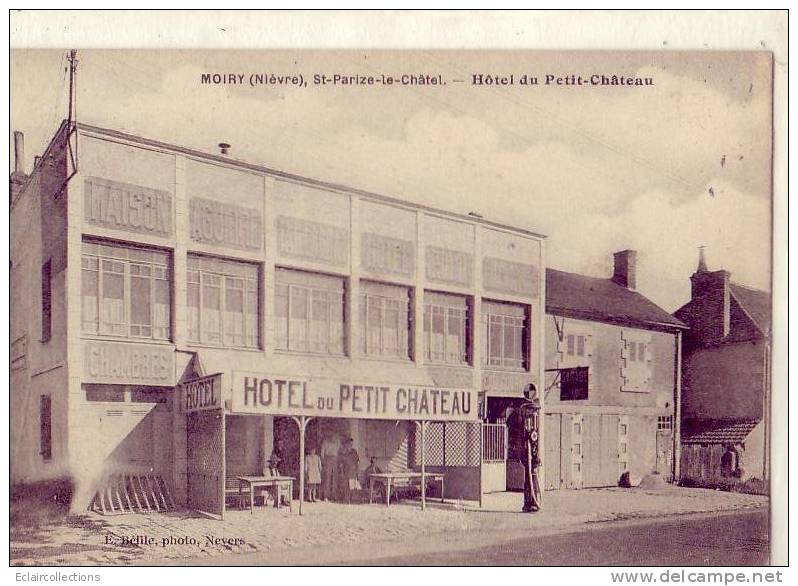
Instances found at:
x=726 y=379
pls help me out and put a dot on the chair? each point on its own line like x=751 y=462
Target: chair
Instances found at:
x=233 y=494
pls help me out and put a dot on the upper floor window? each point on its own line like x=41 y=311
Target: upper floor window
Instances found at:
x=636 y=361
x=222 y=305
x=504 y=327
x=384 y=320
x=125 y=291
x=445 y=328
x=309 y=312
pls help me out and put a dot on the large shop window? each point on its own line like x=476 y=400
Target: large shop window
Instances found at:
x=309 y=312
x=384 y=320
x=222 y=302
x=445 y=328
x=504 y=327
x=125 y=291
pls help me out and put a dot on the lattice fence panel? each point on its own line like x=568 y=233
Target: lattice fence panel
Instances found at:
x=454 y=443
x=205 y=452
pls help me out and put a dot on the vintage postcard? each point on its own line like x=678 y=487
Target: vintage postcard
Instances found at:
x=369 y=306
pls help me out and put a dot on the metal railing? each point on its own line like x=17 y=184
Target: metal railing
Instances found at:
x=494 y=442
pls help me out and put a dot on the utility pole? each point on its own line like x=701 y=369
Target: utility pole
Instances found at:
x=73 y=68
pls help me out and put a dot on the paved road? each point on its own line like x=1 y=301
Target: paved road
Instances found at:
x=728 y=539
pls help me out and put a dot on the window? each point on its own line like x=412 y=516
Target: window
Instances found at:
x=575 y=345
x=125 y=291
x=574 y=384
x=46 y=300
x=445 y=326
x=664 y=422
x=384 y=320
x=45 y=427
x=309 y=312
x=222 y=302
x=636 y=359
x=504 y=327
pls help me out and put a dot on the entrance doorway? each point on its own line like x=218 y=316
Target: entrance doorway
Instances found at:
x=499 y=428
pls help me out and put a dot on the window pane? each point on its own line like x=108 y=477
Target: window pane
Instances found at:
x=252 y=314
x=495 y=341
x=570 y=345
x=89 y=290
x=234 y=312
x=319 y=322
x=641 y=352
x=455 y=337
x=391 y=329
x=298 y=327
x=140 y=307
x=437 y=342
x=113 y=298
x=374 y=319
x=193 y=311
x=211 y=309
x=336 y=323
x=580 y=346
x=281 y=316
x=632 y=353
x=512 y=353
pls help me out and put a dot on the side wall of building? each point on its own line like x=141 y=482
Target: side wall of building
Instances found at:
x=723 y=382
x=38 y=369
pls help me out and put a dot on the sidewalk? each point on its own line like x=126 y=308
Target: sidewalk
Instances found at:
x=284 y=537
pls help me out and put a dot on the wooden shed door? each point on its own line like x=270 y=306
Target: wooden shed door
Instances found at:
x=600 y=463
x=553 y=456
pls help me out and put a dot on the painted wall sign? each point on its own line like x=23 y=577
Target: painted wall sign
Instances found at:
x=122 y=206
x=312 y=240
x=284 y=395
x=449 y=266
x=383 y=254
x=118 y=363
x=506 y=276
x=222 y=224
x=506 y=381
x=202 y=394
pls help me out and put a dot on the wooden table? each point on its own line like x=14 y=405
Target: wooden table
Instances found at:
x=388 y=479
x=255 y=482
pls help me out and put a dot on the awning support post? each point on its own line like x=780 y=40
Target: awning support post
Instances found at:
x=302 y=423
x=423 y=426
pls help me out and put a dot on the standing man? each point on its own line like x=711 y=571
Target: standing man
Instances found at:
x=529 y=417
x=329 y=465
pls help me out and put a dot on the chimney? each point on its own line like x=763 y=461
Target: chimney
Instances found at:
x=19 y=152
x=710 y=300
x=625 y=273
x=224 y=148
x=18 y=177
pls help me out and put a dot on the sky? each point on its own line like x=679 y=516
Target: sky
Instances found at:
x=661 y=169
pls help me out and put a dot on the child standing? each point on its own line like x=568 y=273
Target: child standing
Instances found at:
x=312 y=475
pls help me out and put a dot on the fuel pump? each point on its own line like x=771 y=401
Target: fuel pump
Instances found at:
x=530 y=412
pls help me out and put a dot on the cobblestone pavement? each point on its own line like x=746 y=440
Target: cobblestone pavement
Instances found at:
x=169 y=538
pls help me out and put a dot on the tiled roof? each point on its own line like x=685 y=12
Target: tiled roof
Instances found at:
x=720 y=432
x=598 y=299
x=756 y=303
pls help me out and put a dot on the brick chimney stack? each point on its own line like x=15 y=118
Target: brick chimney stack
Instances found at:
x=18 y=177
x=711 y=303
x=625 y=273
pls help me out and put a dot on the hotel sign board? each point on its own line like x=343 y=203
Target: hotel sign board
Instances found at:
x=262 y=393
x=202 y=394
x=128 y=364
